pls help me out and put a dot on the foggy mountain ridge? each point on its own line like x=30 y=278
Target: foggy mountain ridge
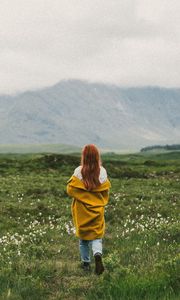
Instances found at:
x=78 y=112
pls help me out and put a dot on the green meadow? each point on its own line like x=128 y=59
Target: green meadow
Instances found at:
x=39 y=254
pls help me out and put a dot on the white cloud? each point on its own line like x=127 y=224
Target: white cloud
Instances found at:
x=128 y=42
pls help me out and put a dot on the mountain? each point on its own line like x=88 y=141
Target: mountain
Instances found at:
x=78 y=112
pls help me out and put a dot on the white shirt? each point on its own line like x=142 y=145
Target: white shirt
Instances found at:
x=102 y=175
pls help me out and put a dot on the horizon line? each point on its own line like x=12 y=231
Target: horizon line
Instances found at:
x=90 y=82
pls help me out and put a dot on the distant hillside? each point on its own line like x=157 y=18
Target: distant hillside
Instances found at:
x=37 y=148
x=163 y=147
x=76 y=112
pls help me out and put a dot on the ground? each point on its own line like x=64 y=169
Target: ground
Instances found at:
x=39 y=255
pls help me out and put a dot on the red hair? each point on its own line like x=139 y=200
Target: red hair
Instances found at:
x=90 y=161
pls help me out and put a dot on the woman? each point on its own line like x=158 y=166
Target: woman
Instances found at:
x=89 y=187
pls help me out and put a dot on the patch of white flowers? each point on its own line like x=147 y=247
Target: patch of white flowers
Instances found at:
x=14 y=244
x=144 y=224
x=70 y=229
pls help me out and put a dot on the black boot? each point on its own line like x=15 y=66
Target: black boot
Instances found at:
x=86 y=266
x=99 y=268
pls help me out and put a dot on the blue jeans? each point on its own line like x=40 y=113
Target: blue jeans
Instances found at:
x=84 y=246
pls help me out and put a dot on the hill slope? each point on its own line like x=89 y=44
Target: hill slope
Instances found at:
x=76 y=112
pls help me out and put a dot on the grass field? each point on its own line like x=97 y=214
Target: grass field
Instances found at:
x=39 y=255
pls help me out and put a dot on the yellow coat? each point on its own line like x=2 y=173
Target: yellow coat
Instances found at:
x=88 y=208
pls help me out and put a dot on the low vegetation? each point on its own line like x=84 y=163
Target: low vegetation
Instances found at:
x=39 y=255
x=161 y=148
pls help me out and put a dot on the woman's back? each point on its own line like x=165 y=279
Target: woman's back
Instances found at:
x=102 y=175
x=89 y=187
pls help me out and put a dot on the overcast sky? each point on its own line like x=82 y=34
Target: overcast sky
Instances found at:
x=126 y=42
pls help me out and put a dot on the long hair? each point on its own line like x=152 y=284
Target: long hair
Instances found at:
x=90 y=162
